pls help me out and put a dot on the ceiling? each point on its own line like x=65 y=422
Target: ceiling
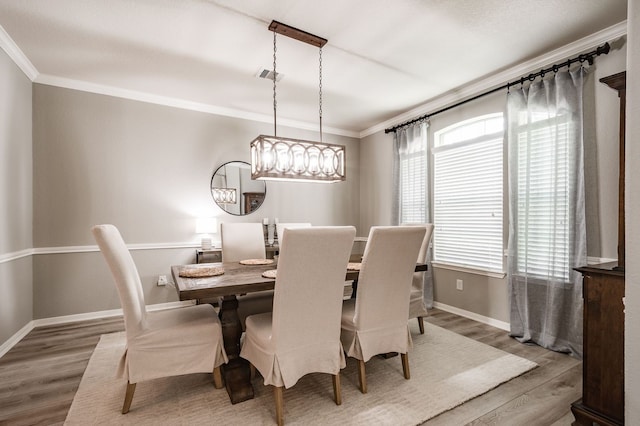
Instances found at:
x=382 y=58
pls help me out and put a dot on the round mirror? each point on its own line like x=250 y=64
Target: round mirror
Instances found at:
x=234 y=191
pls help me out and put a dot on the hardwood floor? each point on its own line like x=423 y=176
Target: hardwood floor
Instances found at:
x=40 y=375
x=542 y=396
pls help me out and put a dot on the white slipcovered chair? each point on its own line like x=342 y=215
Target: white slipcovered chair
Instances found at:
x=417 y=305
x=302 y=335
x=281 y=226
x=241 y=241
x=375 y=322
x=164 y=343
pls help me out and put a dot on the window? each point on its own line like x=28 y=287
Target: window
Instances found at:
x=468 y=194
x=411 y=160
x=412 y=182
x=544 y=166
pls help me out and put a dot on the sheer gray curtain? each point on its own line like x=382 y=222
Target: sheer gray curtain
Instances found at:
x=411 y=185
x=547 y=235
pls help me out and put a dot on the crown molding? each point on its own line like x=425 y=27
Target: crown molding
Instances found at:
x=19 y=58
x=85 y=86
x=500 y=78
x=456 y=95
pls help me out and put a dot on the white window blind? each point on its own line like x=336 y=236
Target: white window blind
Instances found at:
x=413 y=192
x=468 y=194
x=544 y=160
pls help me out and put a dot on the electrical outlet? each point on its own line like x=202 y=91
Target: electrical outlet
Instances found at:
x=459 y=285
x=162 y=280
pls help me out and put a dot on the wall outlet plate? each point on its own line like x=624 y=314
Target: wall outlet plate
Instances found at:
x=162 y=280
x=459 y=285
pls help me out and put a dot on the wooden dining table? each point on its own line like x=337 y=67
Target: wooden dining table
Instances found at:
x=237 y=279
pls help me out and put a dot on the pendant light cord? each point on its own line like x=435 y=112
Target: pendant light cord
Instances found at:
x=274 y=27
x=320 y=86
x=275 y=103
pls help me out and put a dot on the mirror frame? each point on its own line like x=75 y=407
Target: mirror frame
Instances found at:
x=241 y=198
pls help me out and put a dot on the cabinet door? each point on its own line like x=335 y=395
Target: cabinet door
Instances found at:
x=603 y=363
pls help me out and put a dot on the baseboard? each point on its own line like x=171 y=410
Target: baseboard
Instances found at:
x=13 y=340
x=472 y=315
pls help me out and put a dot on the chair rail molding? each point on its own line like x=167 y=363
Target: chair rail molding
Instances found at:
x=11 y=256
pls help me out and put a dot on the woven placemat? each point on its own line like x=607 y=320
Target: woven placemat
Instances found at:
x=271 y=273
x=201 y=272
x=353 y=266
x=256 y=262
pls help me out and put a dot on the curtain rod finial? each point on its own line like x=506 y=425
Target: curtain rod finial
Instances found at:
x=604 y=49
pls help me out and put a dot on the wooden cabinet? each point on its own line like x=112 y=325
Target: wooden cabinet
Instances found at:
x=208 y=256
x=603 y=345
x=603 y=291
x=252 y=200
x=215 y=254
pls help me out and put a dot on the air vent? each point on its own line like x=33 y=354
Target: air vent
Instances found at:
x=268 y=74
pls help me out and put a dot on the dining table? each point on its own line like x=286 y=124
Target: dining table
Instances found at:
x=227 y=280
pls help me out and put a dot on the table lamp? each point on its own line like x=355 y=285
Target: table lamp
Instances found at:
x=206 y=226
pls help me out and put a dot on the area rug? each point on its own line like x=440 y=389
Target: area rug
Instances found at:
x=446 y=370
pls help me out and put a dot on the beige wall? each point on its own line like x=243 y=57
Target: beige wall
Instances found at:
x=632 y=209
x=147 y=169
x=602 y=114
x=484 y=295
x=376 y=163
x=16 y=189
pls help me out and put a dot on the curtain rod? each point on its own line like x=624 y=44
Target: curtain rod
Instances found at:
x=604 y=49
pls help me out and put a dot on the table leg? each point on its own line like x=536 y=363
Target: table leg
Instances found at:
x=237 y=374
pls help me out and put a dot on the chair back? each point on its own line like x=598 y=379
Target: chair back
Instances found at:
x=242 y=241
x=126 y=277
x=424 y=248
x=280 y=227
x=386 y=273
x=417 y=305
x=309 y=287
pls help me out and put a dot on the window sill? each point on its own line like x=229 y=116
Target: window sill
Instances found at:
x=491 y=274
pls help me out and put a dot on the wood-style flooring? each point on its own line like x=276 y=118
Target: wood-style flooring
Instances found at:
x=40 y=375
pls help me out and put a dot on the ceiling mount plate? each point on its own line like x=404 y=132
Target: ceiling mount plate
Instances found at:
x=297 y=34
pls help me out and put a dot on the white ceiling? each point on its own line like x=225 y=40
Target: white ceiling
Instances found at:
x=382 y=58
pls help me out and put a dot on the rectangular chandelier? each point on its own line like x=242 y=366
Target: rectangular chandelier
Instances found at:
x=278 y=158
x=224 y=195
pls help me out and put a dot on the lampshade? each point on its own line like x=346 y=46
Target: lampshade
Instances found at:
x=279 y=158
x=206 y=226
x=225 y=195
